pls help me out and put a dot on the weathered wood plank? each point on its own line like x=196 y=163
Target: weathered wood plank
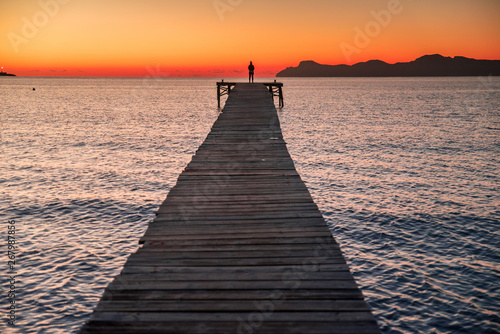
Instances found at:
x=229 y=248
x=211 y=275
x=241 y=261
x=261 y=294
x=307 y=284
x=193 y=216
x=218 y=242
x=216 y=231
x=246 y=221
x=236 y=207
x=230 y=306
x=242 y=326
x=236 y=236
x=230 y=316
x=316 y=254
x=156 y=268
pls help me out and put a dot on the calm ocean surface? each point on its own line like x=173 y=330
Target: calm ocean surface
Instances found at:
x=405 y=170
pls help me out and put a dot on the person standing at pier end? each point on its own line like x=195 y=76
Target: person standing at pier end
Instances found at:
x=251 y=69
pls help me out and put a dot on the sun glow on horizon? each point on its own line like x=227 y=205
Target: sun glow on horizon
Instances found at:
x=217 y=38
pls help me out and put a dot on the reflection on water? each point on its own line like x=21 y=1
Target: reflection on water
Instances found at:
x=406 y=173
x=404 y=170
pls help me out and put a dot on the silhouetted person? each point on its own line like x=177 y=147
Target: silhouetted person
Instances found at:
x=251 y=68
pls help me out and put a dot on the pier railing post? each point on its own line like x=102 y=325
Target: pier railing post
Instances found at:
x=218 y=95
x=276 y=89
x=223 y=88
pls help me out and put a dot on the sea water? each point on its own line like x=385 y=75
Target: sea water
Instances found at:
x=405 y=171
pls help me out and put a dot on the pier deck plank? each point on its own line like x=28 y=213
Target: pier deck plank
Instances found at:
x=238 y=245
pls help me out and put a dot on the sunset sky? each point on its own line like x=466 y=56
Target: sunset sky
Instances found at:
x=217 y=38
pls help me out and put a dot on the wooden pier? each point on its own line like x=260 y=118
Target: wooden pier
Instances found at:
x=238 y=245
x=275 y=88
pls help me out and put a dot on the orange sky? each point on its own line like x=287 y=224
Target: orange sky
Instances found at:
x=217 y=38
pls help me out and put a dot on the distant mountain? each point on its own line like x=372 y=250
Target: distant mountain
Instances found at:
x=430 y=65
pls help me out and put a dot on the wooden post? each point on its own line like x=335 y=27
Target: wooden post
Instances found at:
x=218 y=95
x=281 y=103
